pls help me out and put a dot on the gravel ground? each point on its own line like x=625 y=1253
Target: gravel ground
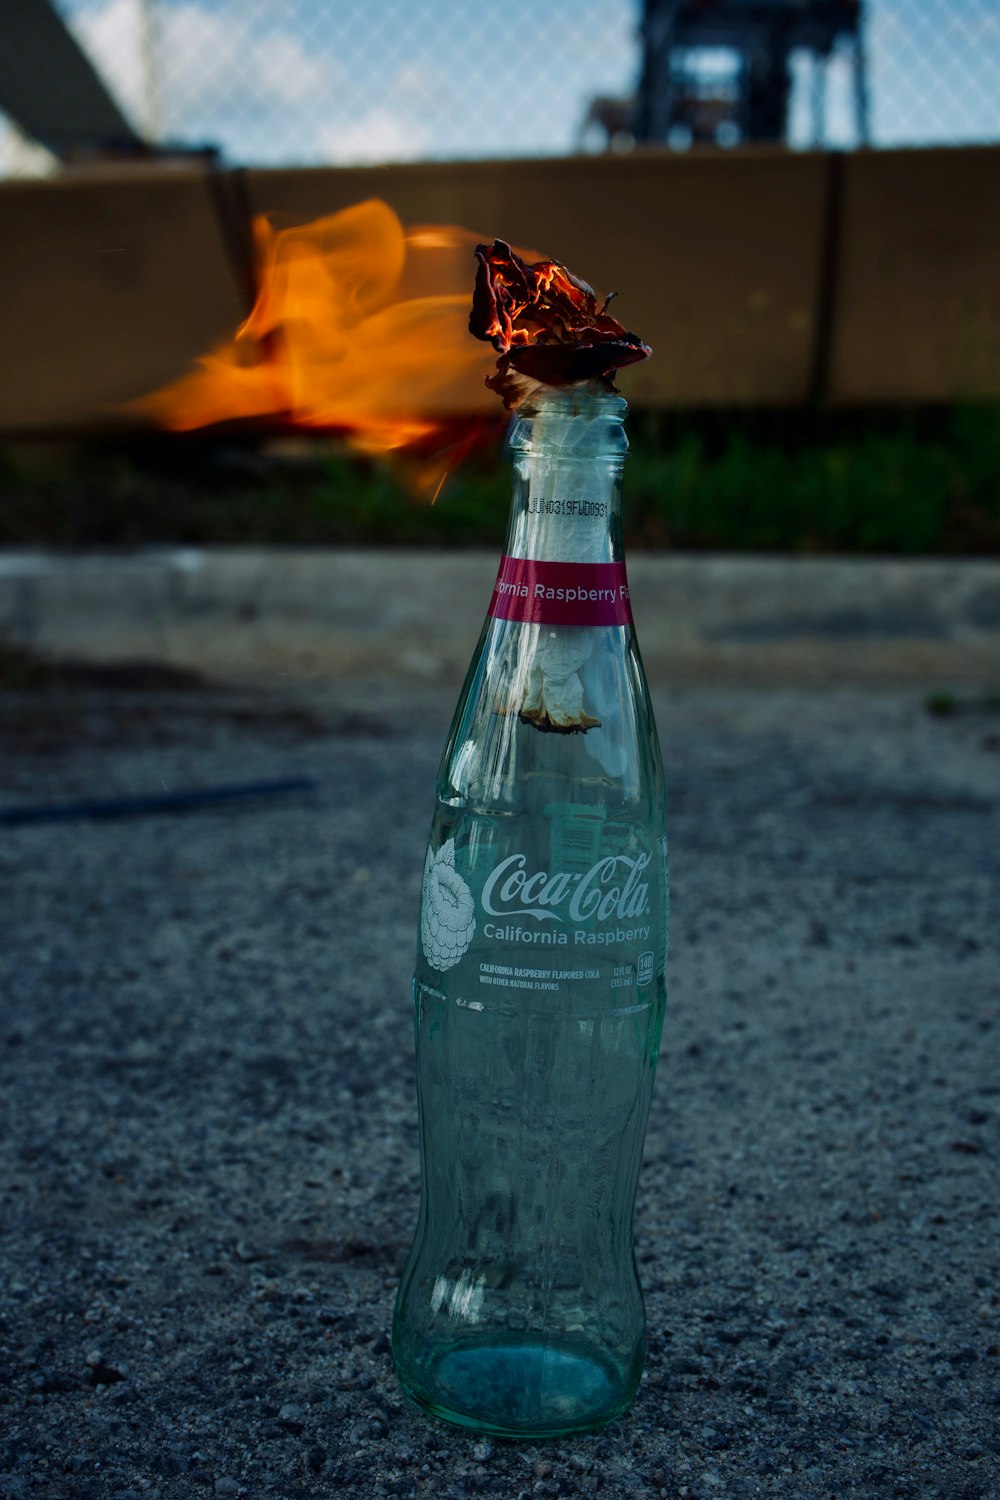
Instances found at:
x=208 y=1162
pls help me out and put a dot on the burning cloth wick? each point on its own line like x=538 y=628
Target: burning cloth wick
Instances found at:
x=554 y=700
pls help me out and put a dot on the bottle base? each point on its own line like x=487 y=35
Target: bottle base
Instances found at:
x=518 y=1389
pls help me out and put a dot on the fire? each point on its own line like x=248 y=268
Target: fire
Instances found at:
x=545 y=324
x=360 y=327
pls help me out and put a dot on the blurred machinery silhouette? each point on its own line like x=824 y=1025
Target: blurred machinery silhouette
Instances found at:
x=718 y=72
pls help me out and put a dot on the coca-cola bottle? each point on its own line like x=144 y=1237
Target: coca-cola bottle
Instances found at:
x=539 y=985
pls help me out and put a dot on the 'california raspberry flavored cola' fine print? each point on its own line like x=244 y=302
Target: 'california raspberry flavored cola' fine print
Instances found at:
x=539 y=986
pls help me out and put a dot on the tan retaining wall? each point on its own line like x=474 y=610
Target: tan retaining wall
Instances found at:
x=761 y=277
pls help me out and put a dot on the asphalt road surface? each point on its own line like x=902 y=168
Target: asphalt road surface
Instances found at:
x=208 y=1159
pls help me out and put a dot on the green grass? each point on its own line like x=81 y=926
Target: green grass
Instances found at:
x=898 y=486
x=889 y=483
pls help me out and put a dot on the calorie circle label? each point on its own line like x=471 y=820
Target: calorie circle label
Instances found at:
x=561 y=593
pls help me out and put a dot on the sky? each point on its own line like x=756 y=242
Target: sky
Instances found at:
x=340 y=81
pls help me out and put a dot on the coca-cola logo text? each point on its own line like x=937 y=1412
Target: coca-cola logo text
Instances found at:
x=612 y=889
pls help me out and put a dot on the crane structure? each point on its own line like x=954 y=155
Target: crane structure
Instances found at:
x=718 y=72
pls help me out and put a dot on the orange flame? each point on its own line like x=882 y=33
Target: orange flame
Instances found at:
x=357 y=328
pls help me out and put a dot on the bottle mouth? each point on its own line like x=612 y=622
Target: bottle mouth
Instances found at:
x=588 y=399
x=583 y=422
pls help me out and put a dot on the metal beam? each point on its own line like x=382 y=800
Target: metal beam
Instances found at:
x=52 y=90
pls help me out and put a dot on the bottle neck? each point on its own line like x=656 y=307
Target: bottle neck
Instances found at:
x=568 y=452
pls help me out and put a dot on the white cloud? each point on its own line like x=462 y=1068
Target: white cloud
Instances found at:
x=111 y=34
x=213 y=53
x=21 y=157
x=289 y=73
x=381 y=135
x=417 y=83
x=204 y=60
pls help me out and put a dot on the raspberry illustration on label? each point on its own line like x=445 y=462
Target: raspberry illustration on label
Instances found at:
x=447 y=910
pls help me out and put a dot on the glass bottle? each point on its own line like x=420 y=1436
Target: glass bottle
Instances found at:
x=539 y=986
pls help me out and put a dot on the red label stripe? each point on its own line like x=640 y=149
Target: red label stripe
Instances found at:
x=561 y=593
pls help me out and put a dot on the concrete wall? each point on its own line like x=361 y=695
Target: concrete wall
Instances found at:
x=916 y=301
x=344 y=614
x=761 y=277
x=715 y=257
x=109 y=286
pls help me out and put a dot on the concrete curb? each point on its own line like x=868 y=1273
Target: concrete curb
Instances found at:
x=370 y=613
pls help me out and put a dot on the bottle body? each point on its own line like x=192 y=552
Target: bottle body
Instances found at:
x=539 y=989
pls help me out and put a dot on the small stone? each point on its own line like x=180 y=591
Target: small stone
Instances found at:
x=226 y=1486
x=292 y=1417
x=483 y=1451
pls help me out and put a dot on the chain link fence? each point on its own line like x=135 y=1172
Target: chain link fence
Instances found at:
x=306 y=82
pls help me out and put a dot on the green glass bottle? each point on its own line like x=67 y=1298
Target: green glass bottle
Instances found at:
x=539 y=986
